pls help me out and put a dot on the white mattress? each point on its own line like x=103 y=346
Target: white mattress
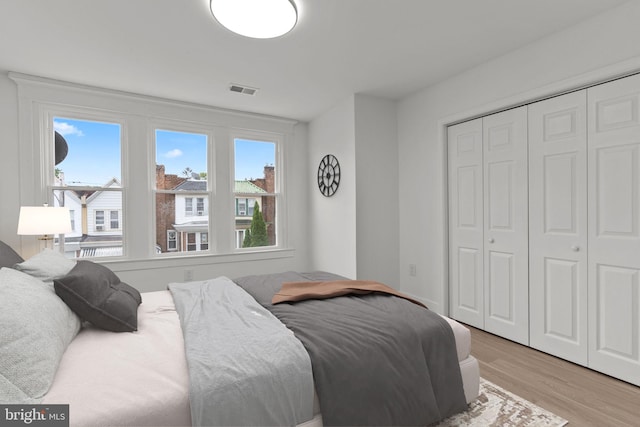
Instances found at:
x=469 y=367
x=463 y=338
x=140 y=378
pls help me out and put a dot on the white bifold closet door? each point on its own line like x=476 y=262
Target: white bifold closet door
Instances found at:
x=558 y=226
x=506 y=253
x=466 y=225
x=614 y=228
x=488 y=248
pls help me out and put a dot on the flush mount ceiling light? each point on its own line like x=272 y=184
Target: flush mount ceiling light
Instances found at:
x=260 y=19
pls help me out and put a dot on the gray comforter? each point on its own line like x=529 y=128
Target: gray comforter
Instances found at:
x=377 y=359
x=245 y=366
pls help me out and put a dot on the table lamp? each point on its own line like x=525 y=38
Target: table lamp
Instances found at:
x=44 y=221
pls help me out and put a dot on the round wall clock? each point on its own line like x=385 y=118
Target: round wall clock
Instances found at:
x=328 y=175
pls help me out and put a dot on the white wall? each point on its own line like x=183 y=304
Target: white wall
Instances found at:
x=377 y=190
x=355 y=232
x=594 y=50
x=9 y=191
x=332 y=220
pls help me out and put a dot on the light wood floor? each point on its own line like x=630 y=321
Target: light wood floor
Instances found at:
x=580 y=395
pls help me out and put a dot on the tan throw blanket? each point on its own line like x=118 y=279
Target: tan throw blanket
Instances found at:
x=300 y=291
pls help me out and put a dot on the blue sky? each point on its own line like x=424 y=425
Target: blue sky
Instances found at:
x=252 y=157
x=179 y=150
x=94 y=151
x=90 y=141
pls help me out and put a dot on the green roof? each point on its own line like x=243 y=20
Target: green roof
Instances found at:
x=247 y=187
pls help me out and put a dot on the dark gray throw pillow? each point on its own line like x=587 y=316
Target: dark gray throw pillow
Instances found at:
x=97 y=295
x=8 y=257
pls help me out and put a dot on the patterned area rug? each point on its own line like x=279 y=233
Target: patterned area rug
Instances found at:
x=497 y=407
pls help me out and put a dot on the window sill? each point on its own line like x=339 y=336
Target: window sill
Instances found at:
x=194 y=260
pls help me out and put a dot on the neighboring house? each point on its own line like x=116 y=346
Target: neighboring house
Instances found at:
x=96 y=221
x=268 y=204
x=190 y=231
x=182 y=220
x=245 y=206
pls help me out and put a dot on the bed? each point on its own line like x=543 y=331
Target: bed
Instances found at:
x=141 y=378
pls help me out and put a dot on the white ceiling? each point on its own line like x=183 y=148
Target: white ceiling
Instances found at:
x=176 y=49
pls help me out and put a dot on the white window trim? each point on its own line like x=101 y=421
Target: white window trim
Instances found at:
x=280 y=192
x=40 y=99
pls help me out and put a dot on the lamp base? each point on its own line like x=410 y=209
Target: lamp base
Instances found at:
x=46 y=242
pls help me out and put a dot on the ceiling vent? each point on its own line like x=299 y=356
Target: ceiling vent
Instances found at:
x=243 y=89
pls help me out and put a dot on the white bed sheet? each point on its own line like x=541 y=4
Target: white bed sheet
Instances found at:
x=138 y=378
x=141 y=379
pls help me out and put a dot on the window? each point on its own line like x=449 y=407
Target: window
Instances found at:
x=241 y=209
x=172 y=240
x=197 y=241
x=200 y=206
x=99 y=220
x=87 y=179
x=191 y=242
x=182 y=191
x=244 y=207
x=72 y=214
x=115 y=220
x=255 y=192
x=104 y=166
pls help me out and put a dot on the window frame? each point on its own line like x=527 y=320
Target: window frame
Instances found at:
x=48 y=113
x=279 y=191
x=208 y=195
x=41 y=99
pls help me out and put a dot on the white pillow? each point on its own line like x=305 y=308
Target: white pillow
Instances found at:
x=46 y=266
x=37 y=327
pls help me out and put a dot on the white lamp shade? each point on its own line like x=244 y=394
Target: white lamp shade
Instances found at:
x=260 y=19
x=35 y=220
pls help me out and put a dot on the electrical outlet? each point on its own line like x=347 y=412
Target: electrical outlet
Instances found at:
x=188 y=275
x=412 y=270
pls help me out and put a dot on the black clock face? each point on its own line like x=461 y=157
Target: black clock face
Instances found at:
x=328 y=175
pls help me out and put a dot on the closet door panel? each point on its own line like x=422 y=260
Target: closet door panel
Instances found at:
x=614 y=228
x=617 y=304
x=466 y=223
x=558 y=226
x=505 y=231
x=616 y=192
x=502 y=292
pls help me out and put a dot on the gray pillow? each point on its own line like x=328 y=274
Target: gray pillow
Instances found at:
x=96 y=294
x=37 y=327
x=8 y=257
x=46 y=265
